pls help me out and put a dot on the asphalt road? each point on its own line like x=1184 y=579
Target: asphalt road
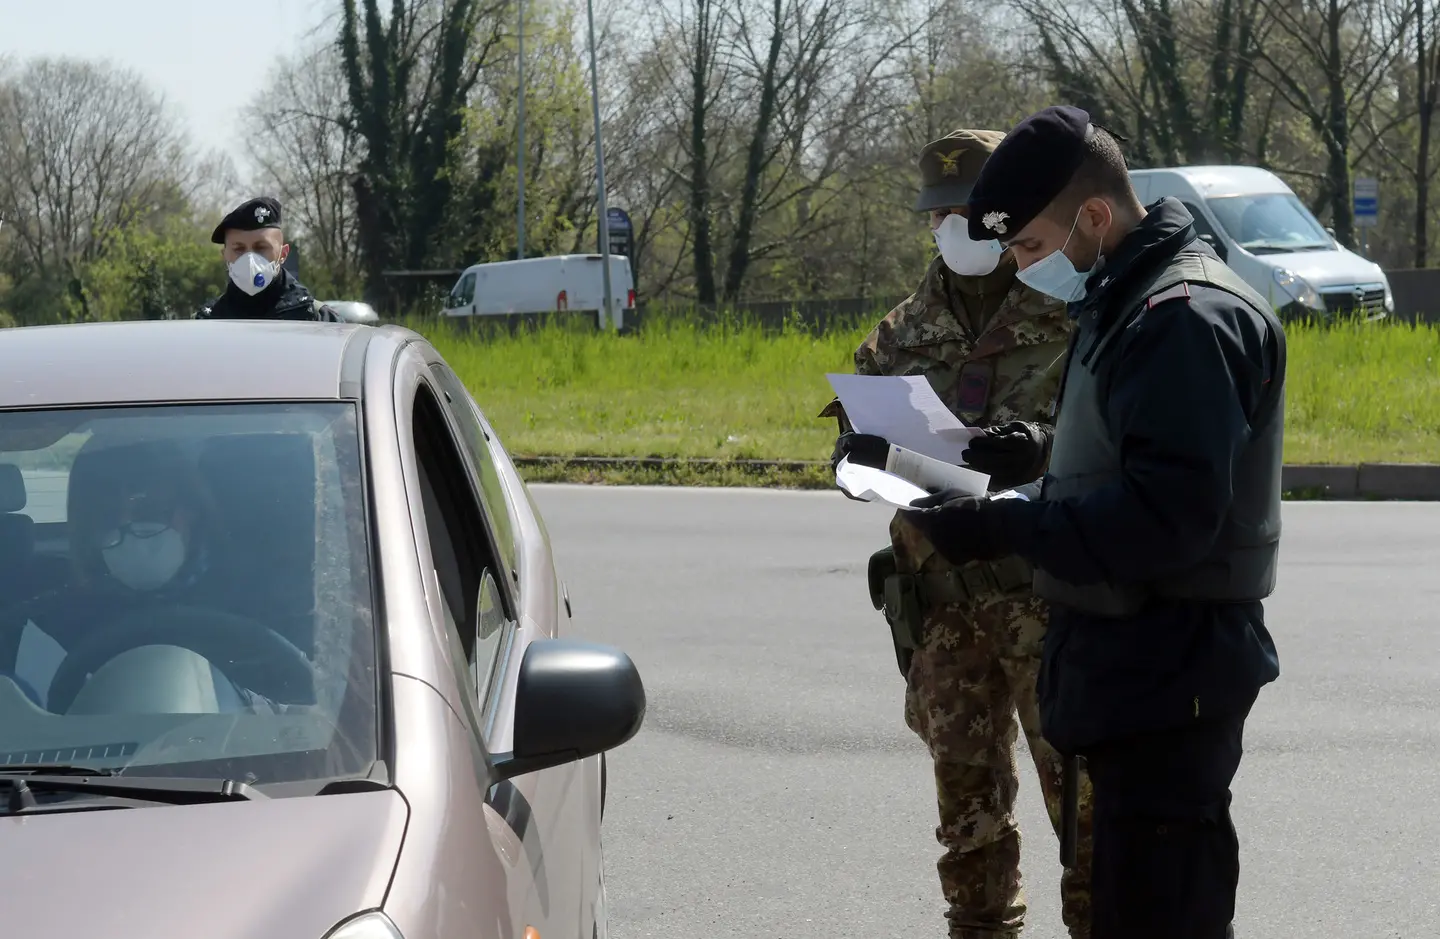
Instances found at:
x=775 y=791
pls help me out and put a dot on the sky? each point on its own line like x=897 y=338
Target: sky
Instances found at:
x=209 y=58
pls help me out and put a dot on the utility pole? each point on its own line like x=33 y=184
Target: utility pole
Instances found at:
x=520 y=154
x=602 y=222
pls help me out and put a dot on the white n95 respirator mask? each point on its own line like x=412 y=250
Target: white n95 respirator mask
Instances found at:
x=961 y=254
x=252 y=273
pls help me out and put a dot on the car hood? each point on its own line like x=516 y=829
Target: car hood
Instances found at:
x=285 y=868
x=1324 y=269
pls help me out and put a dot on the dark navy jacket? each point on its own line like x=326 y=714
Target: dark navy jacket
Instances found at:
x=1180 y=386
x=285 y=299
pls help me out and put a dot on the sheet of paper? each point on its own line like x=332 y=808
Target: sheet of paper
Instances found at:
x=905 y=410
x=876 y=485
x=935 y=474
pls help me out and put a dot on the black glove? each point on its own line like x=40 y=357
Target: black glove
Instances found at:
x=1012 y=454
x=962 y=527
x=863 y=450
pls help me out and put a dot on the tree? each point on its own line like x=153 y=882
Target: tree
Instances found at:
x=307 y=152
x=1346 y=47
x=1173 y=77
x=408 y=80
x=85 y=149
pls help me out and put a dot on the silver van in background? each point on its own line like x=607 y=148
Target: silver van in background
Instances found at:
x=1266 y=234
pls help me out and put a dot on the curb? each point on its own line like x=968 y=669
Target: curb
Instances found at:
x=1418 y=482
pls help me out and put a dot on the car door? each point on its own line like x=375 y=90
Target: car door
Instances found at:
x=1206 y=231
x=560 y=802
x=474 y=607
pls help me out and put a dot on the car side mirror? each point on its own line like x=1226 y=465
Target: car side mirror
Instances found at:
x=572 y=700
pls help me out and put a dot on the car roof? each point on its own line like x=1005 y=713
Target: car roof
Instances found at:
x=1224 y=180
x=180 y=360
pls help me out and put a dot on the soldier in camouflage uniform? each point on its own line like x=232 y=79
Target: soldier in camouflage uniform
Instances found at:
x=993 y=350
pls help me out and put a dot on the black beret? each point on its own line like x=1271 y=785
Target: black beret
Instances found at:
x=1032 y=165
x=254 y=215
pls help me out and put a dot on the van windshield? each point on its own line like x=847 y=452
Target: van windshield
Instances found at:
x=186 y=591
x=1270 y=223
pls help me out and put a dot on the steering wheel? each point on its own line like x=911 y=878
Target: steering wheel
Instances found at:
x=249 y=653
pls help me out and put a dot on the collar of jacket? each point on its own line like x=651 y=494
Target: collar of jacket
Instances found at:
x=1166 y=228
x=285 y=293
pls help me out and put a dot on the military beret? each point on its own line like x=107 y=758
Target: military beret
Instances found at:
x=1032 y=166
x=949 y=167
x=254 y=215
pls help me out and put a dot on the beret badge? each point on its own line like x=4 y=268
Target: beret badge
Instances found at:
x=995 y=221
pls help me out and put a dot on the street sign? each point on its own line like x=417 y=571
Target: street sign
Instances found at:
x=622 y=232
x=1366 y=202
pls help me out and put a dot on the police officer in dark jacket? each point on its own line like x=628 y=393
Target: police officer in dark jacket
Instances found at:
x=260 y=287
x=1156 y=533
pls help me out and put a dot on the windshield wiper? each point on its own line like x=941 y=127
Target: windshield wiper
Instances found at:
x=103 y=782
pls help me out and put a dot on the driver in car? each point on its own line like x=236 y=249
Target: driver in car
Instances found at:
x=143 y=537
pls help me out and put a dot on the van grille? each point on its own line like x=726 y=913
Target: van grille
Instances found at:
x=1365 y=297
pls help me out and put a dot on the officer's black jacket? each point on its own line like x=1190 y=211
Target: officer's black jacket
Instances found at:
x=285 y=299
x=1179 y=387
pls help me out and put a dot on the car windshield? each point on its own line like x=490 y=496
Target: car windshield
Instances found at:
x=1270 y=223
x=186 y=591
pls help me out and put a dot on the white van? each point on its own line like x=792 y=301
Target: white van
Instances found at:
x=543 y=285
x=1267 y=236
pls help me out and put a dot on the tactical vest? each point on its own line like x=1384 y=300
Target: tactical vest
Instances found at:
x=1241 y=565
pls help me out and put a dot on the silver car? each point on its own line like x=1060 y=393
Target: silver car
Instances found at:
x=281 y=648
x=354 y=311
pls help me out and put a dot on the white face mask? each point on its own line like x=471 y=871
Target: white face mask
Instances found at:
x=252 y=273
x=963 y=256
x=147 y=557
x=1055 y=276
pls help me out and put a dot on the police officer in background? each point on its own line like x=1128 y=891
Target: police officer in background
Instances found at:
x=968 y=637
x=1156 y=535
x=260 y=287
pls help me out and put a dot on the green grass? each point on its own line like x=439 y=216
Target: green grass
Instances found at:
x=1363 y=392
x=676 y=388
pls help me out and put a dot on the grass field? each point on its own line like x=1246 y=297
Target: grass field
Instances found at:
x=1357 y=392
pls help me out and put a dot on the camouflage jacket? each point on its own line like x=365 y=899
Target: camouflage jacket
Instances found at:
x=1005 y=369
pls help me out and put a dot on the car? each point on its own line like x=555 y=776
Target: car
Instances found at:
x=1261 y=229
x=353 y=311
x=284 y=650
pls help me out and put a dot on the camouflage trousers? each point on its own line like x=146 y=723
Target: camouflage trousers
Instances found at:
x=970 y=691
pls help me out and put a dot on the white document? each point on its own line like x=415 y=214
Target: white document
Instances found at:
x=933 y=474
x=905 y=410
x=876 y=485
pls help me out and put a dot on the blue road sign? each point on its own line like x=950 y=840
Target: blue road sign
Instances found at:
x=1366 y=205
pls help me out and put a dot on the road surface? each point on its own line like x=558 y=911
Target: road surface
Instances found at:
x=774 y=790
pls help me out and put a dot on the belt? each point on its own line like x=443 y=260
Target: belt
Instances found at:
x=973 y=580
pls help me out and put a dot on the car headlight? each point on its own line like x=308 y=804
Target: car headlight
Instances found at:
x=371 y=925
x=1389 y=299
x=1299 y=288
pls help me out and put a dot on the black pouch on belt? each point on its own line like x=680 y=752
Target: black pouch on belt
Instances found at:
x=893 y=594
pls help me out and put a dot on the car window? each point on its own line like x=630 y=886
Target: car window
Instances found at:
x=1269 y=222
x=464 y=292
x=476 y=438
x=455 y=529
x=187 y=590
